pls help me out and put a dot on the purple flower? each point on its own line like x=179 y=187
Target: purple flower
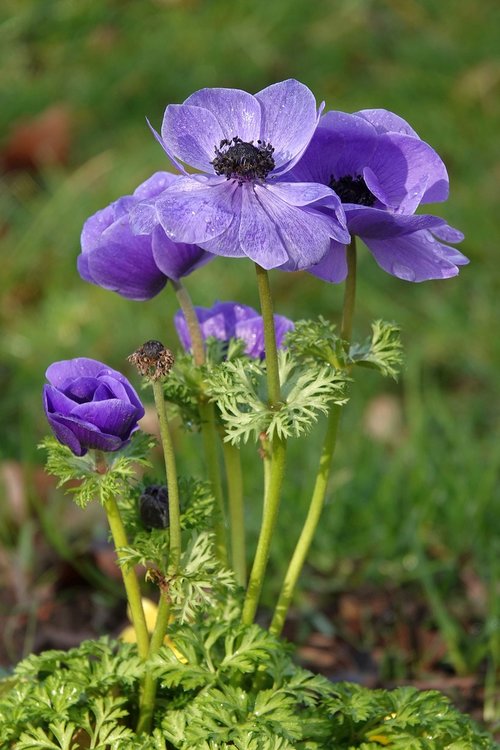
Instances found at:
x=89 y=405
x=226 y=320
x=242 y=204
x=382 y=171
x=135 y=266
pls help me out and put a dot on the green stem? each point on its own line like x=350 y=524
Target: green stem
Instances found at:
x=278 y=453
x=174 y=513
x=210 y=445
x=149 y=687
x=349 y=293
x=160 y=629
x=310 y=525
x=192 y=322
x=268 y=524
x=321 y=484
x=207 y=418
x=130 y=581
x=266 y=306
x=232 y=459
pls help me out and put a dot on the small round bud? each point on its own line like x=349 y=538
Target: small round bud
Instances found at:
x=153 y=507
x=152 y=360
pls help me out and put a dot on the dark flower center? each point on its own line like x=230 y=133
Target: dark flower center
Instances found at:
x=352 y=190
x=243 y=161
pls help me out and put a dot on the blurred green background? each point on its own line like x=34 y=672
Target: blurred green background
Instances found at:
x=416 y=483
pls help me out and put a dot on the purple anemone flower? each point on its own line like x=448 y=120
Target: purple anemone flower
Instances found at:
x=226 y=320
x=242 y=203
x=382 y=171
x=135 y=266
x=89 y=405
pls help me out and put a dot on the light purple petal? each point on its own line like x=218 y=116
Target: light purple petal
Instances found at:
x=333 y=266
x=95 y=226
x=154 y=185
x=191 y=134
x=415 y=257
x=176 y=259
x=60 y=373
x=237 y=112
x=258 y=234
x=314 y=195
x=289 y=119
x=195 y=212
x=386 y=122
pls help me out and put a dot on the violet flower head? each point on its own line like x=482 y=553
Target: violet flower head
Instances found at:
x=89 y=405
x=226 y=320
x=242 y=203
x=136 y=266
x=382 y=172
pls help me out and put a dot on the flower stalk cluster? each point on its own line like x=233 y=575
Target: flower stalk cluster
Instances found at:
x=291 y=189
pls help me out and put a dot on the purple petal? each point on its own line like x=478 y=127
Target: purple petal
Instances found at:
x=61 y=373
x=113 y=416
x=289 y=119
x=191 y=134
x=85 y=434
x=65 y=433
x=194 y=212
x=379 y=224
x=304 y=233
x=176 y=259
x=125 y=265
x=258 y=234
x=333 y=266
x=237 y=112
x=56 y=401
x=95 y=226
x=416 y=257
x=314 y=195
x=386 y=122
x=154 y=185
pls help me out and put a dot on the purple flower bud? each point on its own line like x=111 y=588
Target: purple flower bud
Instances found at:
x=128 y=257
x=89 y=405
x=226 y=320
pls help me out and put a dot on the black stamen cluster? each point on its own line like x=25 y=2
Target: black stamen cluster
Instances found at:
x=352 y=190
x=243 y=161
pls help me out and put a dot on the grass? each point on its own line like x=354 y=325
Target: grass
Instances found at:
x=423 y=504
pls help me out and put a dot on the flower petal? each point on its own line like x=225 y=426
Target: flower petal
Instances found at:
x=315 y=196
x=416 y=257
x=124 y=264
x=379 y=224
x=112 y=416
x=237 y=112
x=258 y=234
x=386 y=122
x=333 y=266
x=194 y=212
x=192 y=134
x=176 y=259
x=289 y=119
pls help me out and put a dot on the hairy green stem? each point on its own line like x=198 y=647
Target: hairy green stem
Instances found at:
x=174 y=513
x=310 y=525
x=130 y=581
x=192 y=322
x=232 y=460
x=210 y=446
x=269 y=517
x=325 y=463
x=207 y=420
x=349 y=293
x=150 y=683
x=266 y=306
x=272 y=492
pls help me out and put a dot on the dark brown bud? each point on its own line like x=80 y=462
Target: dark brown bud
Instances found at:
x=152 y=360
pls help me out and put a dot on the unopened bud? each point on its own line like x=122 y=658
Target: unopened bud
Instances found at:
x=153 y=507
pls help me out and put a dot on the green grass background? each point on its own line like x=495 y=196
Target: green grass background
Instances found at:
x=420 y=508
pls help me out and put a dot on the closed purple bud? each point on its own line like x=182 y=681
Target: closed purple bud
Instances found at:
x=89 y=405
